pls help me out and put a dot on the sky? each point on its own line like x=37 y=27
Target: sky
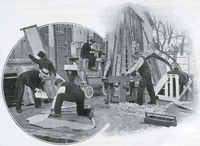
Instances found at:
x=15 y=15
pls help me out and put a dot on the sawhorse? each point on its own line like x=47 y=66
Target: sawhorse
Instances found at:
x=122 y=83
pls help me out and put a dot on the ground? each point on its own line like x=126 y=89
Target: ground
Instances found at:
x=122 y=117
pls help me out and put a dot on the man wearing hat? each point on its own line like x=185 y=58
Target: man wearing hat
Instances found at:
x=44 y=62
x=32 y=79
x=86 y=52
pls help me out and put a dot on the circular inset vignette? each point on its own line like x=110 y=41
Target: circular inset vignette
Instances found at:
x=62 y=43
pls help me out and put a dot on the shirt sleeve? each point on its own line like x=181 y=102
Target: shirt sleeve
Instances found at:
x=53 y=69
x=33 y=58
x=60 y=90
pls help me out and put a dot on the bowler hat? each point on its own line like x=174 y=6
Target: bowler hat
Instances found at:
x=41 y=54
x=92 y=40
x=44 y=72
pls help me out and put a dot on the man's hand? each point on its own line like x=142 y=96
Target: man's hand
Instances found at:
x=126 y=73
x=38 y=90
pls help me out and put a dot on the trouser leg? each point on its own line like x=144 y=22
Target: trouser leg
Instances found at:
x=151 y=91
x=91 y=62
x=37 y=102
x=80 y=98
x=48 y=88
x=19 y=95
x=93 y=59
x=141 y=87
x=59 y=100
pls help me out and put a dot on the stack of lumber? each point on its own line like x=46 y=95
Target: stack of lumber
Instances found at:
x=122 y=41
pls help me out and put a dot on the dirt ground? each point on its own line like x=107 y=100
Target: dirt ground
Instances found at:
x=122 y=117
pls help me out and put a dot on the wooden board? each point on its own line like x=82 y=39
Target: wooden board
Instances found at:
x=118 y=72
x=114 y=57
x=34 y=39
x=124 y=49
x=181 y=105
x=160 y=84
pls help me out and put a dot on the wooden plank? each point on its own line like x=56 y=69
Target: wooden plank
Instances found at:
x=160 y=83
x=124 y=47
x=177 y=86
x=185 y=89
x=171 y=85
x=114 y=57
x=167 y=89
x=129 y=49
x=118 y=71
x=71 y=67
x=117 y=79
x=165 y=98
x=179 y=104
x=34 y=39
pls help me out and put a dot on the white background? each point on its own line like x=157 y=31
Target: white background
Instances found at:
x=16 y=14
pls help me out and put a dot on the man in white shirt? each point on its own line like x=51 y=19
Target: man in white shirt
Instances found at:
x=69 y=91
x=143 y=68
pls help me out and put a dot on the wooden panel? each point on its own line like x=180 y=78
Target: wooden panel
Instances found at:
x=123 y=51
x=160 y=84
x=114 y=57
x=34 y=39
x=118 y=66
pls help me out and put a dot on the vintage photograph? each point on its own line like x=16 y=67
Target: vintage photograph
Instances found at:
x=65 y=83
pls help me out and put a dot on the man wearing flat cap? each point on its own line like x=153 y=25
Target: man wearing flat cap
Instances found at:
x=86 y=52
x=44 y=62
x=32 y=79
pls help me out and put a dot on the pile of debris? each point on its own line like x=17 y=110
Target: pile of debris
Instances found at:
x=137 y=110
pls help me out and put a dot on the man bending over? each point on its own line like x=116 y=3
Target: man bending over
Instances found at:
x=69 y=91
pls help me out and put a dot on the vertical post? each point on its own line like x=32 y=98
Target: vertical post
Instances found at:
x=122 y=95
x=166 y=89
x=110 y=92
x=55 y=44
x=124 y=47
x=177 y=86
x=51 y=44
x=171 y=85
x=114 y=57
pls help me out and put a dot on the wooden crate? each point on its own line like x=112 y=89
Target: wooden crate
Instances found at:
x=160 y=119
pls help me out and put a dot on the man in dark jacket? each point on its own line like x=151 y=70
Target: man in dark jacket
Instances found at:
x=86 y=52
x=69 y=91
x=44 y=62
x=32 y=79
x=143 y=68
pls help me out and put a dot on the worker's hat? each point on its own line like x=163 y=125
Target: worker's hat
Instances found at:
x=91 y=40
x=41 y=54
x=44 y=72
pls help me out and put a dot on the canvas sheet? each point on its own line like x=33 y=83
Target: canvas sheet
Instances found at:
x=49 y=123
x=37 y=118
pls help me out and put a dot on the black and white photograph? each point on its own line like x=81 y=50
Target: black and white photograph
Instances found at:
x=99 y=72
